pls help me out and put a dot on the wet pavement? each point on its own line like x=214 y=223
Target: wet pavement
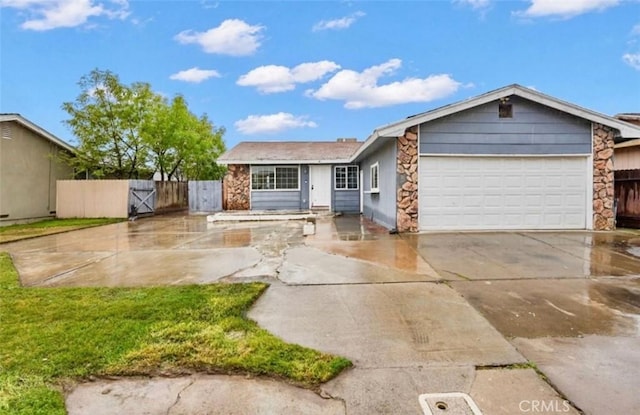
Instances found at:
x=384 y=325
x=427 y=313
x=571 y=306
x=509 y=255
x=558 y=308
x=154 y=251
x=598 y=373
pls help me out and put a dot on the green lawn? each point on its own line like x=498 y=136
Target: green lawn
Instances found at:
x=50 y=226
x=55 y=336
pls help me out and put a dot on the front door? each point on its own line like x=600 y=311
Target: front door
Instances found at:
x=320 y=186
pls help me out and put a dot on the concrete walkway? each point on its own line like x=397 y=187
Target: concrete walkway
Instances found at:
x=417 y=314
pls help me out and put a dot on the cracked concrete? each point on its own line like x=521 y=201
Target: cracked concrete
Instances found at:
x=567 y=301
x=383 y=325
x=598 y=373
x=197 y=395
x=305 y=265
x=155 y=251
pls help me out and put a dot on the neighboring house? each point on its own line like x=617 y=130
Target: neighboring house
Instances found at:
x=292 y=176
x=512 y=158
x=628 y=152
x=627 y=177
x=29 y=168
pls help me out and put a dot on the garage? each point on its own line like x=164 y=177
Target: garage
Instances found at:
x=510 y=159
x=497 y=193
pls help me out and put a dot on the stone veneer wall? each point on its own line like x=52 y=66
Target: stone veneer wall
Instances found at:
x=236 y=187
x=407 y=181
x=603 y=190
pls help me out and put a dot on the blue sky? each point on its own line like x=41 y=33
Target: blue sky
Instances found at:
x=300 y=70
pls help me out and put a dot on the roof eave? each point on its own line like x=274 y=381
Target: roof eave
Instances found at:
x=626 y=129
x=626 y=144
x=269 y=162
x=35 y=128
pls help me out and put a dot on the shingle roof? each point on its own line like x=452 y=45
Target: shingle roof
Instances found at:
x=296 y=152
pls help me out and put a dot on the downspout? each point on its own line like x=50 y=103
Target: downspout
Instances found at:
x=51 y=146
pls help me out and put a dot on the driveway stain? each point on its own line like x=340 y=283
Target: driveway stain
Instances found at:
x=567 y=308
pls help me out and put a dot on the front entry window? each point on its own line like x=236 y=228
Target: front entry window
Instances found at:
x=275 y=178
x=346 y=177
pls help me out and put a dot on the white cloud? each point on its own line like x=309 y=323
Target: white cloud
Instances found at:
x=53 y=14
x=565 y=8
x=195 y=75
x=209 y=5
x=272 y=123
x=233 y=37
x=338 y=24
x=474 y=4
x=361 y=89
x=274 y=78
x=632 y=59
x=635 y=31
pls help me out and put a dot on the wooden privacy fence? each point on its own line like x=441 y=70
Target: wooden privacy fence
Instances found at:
x=92 y=199
x=627 y=191
x=205 y=196
x=171 y=196
x=118 y=198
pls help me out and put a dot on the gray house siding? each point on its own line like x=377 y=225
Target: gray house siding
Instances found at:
x=344 y=201
x=381 y=207
x=283 y=199
x=533 y=129
x=275 y=200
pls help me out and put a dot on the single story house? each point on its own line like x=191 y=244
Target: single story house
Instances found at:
x=627 y=177
x=512 y=158
x=627 y=155
x=292 y=176
x=29 y=169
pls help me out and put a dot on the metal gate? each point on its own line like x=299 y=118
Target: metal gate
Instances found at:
x=142 y=200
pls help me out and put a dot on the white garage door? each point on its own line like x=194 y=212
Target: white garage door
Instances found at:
x=503 y=193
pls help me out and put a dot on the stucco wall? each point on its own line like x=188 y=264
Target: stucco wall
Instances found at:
x=29 y=169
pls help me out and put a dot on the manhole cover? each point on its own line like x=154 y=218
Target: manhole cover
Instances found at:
x=452 y=403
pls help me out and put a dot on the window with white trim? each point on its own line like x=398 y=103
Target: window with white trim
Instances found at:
x=374 y=178
x=275 y=178
x=346 y=177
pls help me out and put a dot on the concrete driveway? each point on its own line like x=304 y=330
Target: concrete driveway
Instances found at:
x=417 y=314
x=568 y=301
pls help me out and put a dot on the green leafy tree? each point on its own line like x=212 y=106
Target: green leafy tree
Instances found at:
x=106 y=118
x=201 y=154
x=130 y=132
x=182 y=145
